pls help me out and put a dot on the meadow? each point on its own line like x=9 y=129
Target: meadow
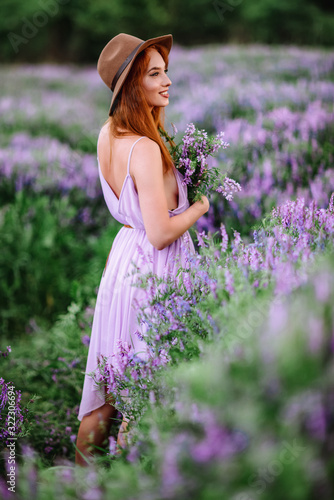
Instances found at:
x=236 y=399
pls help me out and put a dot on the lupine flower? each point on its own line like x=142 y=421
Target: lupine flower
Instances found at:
x=85 y=339
x=200 y=236
x=229 y=187
x=190 y=157
x=224 y=236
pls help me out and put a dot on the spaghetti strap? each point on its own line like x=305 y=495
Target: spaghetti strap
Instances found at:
x=133 y=145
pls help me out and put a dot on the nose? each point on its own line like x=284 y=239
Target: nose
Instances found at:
x=168 y=80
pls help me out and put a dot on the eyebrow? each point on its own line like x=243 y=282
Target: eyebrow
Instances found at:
x=154 y=67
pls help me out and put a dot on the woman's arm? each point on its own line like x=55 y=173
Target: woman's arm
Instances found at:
x=147 y=169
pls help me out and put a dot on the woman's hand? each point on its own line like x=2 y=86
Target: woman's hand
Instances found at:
x=203 y=204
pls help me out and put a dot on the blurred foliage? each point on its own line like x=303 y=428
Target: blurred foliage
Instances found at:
x=73 y=30
x=244 y=422
x=56 y=375
x=45 y=254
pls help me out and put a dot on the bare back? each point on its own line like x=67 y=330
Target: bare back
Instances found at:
x=114 y=170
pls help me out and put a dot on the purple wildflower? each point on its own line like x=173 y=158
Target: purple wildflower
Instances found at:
x=224 y=236
x=228 y=189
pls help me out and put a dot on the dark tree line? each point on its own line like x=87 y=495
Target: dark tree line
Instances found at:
x=76 y=30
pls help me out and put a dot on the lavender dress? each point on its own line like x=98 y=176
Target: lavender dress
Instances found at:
x=115 y=317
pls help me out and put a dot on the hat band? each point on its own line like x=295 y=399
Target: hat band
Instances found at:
x=123 y=66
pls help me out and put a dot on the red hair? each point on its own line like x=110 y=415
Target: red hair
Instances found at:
x=132 y=111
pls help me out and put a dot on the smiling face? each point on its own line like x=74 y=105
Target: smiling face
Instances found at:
x=156 y=81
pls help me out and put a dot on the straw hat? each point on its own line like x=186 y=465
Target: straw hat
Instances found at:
x=118 y=56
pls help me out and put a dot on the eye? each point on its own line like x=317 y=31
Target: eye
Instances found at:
x=166 y=70
x=154 y=74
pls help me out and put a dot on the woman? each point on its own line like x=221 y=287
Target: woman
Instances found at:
x=146 y=195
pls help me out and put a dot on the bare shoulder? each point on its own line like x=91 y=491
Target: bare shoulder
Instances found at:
x=146 y=152
x=103 y=144
x=104 y=129
x=103 y=137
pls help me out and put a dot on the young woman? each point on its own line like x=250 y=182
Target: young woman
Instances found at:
x=143 y=190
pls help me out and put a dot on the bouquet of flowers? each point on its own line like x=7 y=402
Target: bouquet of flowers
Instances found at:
x=190 y=158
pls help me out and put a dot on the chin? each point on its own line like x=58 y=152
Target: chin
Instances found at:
x=164 y=104
x=160 y=102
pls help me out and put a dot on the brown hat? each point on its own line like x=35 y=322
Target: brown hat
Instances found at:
x=117 y=57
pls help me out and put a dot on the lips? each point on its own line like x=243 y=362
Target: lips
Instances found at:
x=164 y=93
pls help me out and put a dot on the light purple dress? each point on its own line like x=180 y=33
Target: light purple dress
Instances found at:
x=115 y=317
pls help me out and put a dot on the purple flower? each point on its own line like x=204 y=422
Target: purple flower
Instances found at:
x=201 y=237
x=229 y=281
x=112 y=445
x=85 y=339
x=191 y=159
x=224 y=235
x=228 y=189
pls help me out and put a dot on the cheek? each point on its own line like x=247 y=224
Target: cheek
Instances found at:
x=150 y=85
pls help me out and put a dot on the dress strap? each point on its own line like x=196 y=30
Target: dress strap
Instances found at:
x=133 y=145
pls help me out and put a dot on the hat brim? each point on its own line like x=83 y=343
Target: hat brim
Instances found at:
x=166 y=40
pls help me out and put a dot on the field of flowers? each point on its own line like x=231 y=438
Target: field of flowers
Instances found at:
x=236 y=398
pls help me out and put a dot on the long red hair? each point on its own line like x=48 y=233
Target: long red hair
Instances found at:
x=133 y=114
